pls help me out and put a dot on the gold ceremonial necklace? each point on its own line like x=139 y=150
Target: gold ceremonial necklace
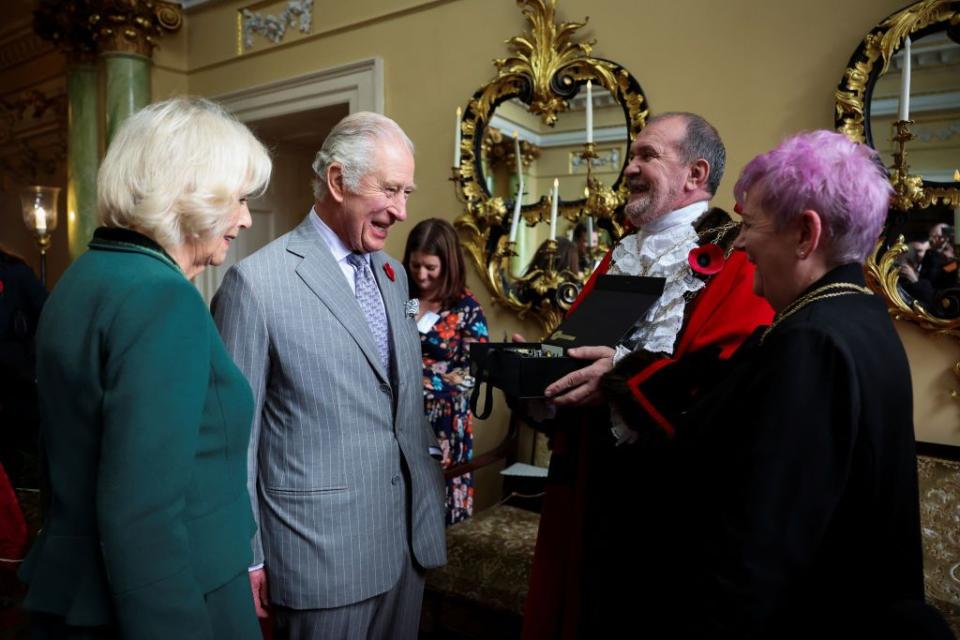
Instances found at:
x=821 y=293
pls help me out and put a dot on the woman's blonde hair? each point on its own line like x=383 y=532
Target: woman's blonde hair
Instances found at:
x=175 y=170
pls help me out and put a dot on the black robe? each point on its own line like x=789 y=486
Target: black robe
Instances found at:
x=799 y=483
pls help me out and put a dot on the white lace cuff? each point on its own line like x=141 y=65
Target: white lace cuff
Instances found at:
x=620 y=353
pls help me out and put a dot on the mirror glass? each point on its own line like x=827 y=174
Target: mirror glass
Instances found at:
x=540 y=92
x=553 y=152
x=929 y=269
x=548 y=153
x=934 y=152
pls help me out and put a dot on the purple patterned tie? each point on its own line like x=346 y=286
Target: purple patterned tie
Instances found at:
x=368 y=296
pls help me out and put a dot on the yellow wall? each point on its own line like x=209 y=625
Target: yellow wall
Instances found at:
x=758 y=70
x=936 y=384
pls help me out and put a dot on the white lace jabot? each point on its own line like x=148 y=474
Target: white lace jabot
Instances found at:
x=661 y=250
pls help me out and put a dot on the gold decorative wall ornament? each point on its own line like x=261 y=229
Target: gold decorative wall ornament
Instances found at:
x=135 y=26
x=548 y=67
x=542 y=53
x=89 y=27
x=883 y=277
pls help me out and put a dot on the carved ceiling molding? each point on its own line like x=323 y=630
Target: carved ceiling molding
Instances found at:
x=33 y=133
x=21 y=44
x=33 y=161
x=939 y=132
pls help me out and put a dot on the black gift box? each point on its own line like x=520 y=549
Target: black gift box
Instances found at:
x=523 y=370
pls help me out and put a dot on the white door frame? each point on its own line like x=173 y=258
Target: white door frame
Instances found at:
x=358 y=85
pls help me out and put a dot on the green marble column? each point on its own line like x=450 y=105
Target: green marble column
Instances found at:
x=82 y=158
x=128 y=87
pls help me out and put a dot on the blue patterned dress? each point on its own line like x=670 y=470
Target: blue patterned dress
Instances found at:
x=446 y=391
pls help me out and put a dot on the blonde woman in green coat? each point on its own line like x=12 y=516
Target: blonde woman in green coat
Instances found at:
x=145 y=418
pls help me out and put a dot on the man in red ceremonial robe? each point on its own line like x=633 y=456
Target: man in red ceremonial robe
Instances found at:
x=603 y=558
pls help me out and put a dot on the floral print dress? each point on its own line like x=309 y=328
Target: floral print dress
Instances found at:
x=446 y=391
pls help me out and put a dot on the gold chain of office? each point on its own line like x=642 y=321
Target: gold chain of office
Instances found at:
x=821 y=293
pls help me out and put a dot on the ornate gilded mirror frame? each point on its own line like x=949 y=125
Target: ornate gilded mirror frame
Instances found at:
x=547 y=68
x=852 y=117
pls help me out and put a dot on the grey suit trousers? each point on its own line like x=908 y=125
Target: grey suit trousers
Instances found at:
x=392 y=615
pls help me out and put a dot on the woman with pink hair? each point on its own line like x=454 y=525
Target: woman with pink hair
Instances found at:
x=802 y=462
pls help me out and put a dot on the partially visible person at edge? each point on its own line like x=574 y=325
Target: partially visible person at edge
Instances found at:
x=21 y=298
x=449 y=319
x=145 y=418
x=584 y=244
x=565 y=257
x=563 y=260
x=801 y=462
x=594 y=567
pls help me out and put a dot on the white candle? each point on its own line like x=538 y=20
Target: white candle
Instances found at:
x=516 y=151
x=589 y=111
x=905 y=82
x=40 y=216
x=515 y=224
x=590 y=231
x=553 y=208
x=456 y=141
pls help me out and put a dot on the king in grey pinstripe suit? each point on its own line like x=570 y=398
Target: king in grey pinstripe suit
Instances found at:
x=348 y=499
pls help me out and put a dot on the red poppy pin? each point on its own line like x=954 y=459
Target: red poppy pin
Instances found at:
x=389 y=271
x=706 y=260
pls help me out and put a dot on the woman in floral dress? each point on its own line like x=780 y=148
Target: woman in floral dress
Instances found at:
x=449 y=319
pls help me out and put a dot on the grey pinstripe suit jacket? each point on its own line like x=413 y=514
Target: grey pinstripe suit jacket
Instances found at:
x=335 y=438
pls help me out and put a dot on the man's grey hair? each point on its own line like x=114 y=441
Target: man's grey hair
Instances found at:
x=352 y=144
x=701 y=141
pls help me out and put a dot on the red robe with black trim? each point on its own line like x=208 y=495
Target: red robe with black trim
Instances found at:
x=577 y=587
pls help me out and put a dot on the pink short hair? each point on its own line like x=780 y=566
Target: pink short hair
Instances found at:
x=843 y=181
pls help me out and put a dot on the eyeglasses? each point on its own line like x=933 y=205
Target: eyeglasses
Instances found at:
x=396 y=194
